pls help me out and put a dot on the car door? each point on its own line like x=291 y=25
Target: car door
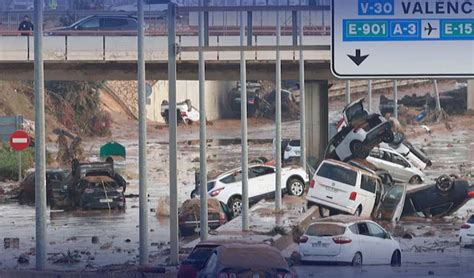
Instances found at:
x=392 y=204
x=401 y=167
x=261 y=181
x=381 y=245
x=366 y=242
x=91 y=25
x=368 y=188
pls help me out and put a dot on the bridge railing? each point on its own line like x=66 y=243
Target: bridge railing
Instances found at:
x=124 y=48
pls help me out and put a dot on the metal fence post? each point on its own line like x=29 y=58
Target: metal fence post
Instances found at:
x=40 y=149
x=369 y=91
x=302 y=95
x=202 y=131
x=395 y=99
x=278 y=115
x=142 y=165
x=174 y=245
x=243 y=123
x=435 y=87
x=348 y=91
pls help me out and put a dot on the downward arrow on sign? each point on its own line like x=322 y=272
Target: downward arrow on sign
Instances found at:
x=358 y=59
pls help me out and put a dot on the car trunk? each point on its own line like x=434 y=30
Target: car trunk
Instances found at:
x=320 y=240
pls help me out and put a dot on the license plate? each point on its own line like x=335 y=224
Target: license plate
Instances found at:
x=320 y=244
x=331 y=189
x=106 y=200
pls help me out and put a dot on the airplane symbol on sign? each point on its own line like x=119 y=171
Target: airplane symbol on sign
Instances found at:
x=430 y=29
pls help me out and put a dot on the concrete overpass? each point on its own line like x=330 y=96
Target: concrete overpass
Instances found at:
x=114 y=58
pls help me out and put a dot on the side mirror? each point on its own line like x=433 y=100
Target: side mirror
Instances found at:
x=387 y=236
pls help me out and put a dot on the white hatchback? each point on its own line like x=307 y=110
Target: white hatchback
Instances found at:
x=466 y=235
x=399 y=168
x=348 y=239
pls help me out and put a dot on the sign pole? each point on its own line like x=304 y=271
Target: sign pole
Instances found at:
x=278 y=116
x=19 y=167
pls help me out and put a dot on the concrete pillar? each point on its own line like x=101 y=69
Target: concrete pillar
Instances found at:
x=470 y=95
x=316 y=93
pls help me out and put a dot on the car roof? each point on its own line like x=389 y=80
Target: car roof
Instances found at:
x=238 y=169
x=342 y=219
x=348 y=166
x=250 y=255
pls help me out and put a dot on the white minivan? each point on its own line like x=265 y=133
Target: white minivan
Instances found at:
x=340 y=187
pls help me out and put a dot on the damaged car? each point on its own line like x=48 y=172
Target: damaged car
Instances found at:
x=397 y=166
x=186 y=112
x=446 y=196
x=349 y=240
x=227 y=187
x=56 y=188
x=359 y=133
x=96 y=186
x=466 y=234
x=189 y=215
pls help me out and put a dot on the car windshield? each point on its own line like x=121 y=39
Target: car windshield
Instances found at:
x=471 y=220
x=325 y=229
x=338 y=173
x=200 y=255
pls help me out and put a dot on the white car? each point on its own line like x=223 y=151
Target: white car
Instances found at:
x=466 y=235
x=348 y=239
x=187 y=113
x=400 y=169
x=227 y=187
x=292 y=150
x=359 y=133
x=405 y=151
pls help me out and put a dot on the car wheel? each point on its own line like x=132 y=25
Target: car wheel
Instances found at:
x=324 y=212
x=396 y=259
x=235 y=204
x=415 y=180
x=193 y=194
x=359 y=150
x=444 y=183
x=388 y=137
x=358 y=211
x=295 y=187
x=357 y=260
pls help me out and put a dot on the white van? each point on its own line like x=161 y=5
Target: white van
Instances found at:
x=340 y=187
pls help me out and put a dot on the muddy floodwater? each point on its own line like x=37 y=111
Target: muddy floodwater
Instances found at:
x=101 y=238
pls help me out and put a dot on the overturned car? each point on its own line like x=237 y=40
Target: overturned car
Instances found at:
x=359 y=133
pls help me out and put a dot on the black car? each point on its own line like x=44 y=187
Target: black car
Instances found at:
x=56 y=189
x=110 y=25
x=96 y=186
x=444 y=197
x=254 y=99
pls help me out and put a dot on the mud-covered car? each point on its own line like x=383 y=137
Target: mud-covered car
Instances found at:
x=446 y=196
x=359 y=133
x=56 y=190
x=189 y=215
x=96 y=186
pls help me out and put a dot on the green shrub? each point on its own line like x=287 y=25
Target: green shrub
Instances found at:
x=9 y=162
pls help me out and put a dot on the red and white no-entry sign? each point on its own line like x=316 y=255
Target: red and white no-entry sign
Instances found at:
x=19 y=140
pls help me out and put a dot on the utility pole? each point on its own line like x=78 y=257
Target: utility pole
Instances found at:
x=302 y=95
x=173 y=147
x=202 y=131
x=142 y=165
x=40 y=149
x=278 y=116
x=243 y=125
